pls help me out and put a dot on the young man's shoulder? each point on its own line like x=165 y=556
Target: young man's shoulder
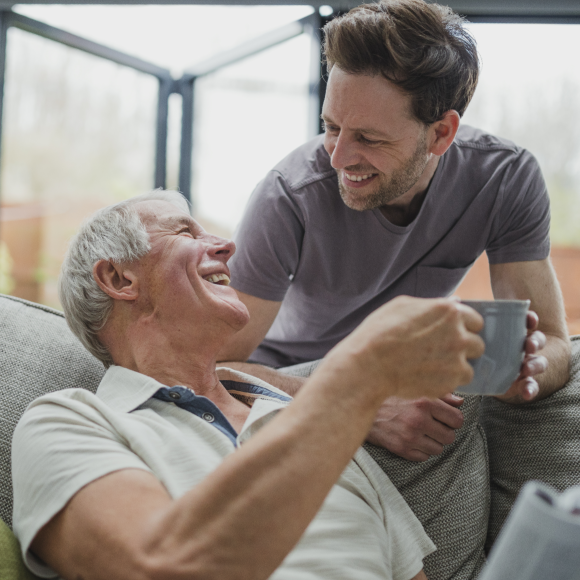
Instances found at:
x=469 y=137
x=481 y=155
x=306 y=165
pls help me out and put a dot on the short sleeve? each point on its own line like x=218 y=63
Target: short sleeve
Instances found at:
x=521 y=231
x=268 y=240
x=57 y=449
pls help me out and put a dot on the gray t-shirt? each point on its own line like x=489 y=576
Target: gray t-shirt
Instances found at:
x=332 y=266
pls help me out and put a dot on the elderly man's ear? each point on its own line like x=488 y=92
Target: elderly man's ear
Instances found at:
x=116 y=280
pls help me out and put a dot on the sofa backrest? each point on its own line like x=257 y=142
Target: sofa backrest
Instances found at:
x=38 y=354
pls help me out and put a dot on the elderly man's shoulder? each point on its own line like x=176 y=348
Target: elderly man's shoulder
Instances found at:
x=73 y=399
x=66 y=409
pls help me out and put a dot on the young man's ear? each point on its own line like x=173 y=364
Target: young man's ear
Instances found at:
x=443 y=132
x=115 y=280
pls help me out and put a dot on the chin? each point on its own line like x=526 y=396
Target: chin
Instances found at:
x=240 y=316
x=370 y=200
x=357 y=203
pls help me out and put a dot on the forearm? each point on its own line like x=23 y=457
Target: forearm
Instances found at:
x=557 y=351
x=286 y=383
x=238 y=523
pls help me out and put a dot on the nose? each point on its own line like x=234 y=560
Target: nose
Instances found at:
x=343 y=150
x=219 y=248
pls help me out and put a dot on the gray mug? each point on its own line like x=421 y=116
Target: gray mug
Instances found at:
x=504 y=333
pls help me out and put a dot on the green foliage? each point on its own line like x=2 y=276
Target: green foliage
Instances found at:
x=6 y=263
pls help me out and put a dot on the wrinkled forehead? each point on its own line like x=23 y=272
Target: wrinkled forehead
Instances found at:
x=158 y=214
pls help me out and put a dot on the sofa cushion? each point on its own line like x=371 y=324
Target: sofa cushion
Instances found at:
x=448 y=493
x=539 y=441
x=38 y=354
x=11 y=565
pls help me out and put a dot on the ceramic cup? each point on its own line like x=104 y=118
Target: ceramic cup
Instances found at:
x=504 y=333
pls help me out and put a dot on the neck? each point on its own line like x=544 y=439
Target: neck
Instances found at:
x=404 y=209
x=173 y=352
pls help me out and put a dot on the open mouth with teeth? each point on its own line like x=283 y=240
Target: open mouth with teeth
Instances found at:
x=359 y=177
x=220 y=279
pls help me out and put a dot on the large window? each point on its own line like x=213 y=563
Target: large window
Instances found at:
x=79 y=131
x=528 y=93
x=78 y=134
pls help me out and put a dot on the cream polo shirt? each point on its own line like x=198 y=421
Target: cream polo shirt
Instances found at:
x=65 y=440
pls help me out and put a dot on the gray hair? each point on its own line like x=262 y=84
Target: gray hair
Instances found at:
x=114 y=233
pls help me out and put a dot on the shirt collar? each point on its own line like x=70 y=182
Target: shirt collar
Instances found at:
x=125 y=390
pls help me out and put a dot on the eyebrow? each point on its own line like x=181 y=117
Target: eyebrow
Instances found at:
x=366 y=130
x=179 y=221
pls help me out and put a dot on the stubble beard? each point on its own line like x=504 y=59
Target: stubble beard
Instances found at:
x=390 y=188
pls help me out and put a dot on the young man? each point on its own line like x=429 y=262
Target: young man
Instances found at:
x=394 y=199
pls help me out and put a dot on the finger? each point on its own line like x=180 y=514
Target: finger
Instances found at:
x=535 y=342
x=452 y=399
x=474 y=346
x=527 y=388
x=532 y=320
x=450 y=417
x=440 y=433
x=533 y=365
x=415 y=455
x=429 y=446
x=472 y=320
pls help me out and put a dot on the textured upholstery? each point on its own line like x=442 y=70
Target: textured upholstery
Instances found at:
x=38 y=354
x=448 y=493
x=539 y=441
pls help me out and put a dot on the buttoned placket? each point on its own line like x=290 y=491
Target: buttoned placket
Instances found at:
x=199 y=406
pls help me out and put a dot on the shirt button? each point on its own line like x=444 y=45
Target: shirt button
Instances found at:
x=174 y=395
x=208 y=417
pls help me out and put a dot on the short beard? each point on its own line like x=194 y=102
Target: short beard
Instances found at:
x=401 y=181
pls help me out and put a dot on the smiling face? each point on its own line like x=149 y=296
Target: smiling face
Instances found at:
x=185 y=273
x=377 y=148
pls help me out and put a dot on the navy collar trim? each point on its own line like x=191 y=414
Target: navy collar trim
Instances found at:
x=208 y=411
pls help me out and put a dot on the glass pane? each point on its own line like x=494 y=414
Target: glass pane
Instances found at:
x=248 y=117
x=78 y=134
x=174 y=37
x=528 y=93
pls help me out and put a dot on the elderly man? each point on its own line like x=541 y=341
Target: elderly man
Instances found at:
x=395 y=198
x=176 y=470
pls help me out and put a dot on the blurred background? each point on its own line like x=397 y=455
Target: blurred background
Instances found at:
x=79 y=131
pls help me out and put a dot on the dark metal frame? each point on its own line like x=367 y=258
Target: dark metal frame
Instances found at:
x=309 y=25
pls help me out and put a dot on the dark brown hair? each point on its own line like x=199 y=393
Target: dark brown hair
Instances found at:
x=422 y=48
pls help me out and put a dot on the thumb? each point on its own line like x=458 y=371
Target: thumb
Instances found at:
x=453 y=400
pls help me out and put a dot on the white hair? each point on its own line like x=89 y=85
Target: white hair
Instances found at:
x=114 y=233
